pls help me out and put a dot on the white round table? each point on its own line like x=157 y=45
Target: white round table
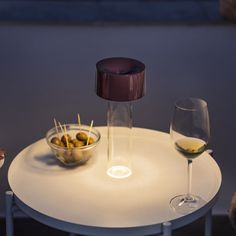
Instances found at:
x=85 y=200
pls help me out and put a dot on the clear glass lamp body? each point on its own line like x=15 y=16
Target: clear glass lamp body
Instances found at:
x=119 y=123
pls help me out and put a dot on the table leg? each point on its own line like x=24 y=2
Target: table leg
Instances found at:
x=167 y=229
x=208 y=223
x=9 y=213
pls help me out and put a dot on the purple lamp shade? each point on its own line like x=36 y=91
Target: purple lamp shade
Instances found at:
x=120 y=79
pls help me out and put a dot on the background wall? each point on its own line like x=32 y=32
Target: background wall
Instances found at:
x=49 y=71
x=70 y=11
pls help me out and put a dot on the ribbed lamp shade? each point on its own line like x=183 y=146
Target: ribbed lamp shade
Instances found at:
x=120 y=79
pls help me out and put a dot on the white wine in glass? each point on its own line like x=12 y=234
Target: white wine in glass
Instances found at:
x=190 y=133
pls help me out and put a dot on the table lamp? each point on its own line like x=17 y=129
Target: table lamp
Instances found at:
x=120 y=81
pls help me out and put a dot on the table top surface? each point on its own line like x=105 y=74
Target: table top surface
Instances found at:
x=86 y=195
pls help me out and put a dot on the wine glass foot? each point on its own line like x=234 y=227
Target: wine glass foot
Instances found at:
x=184 y=204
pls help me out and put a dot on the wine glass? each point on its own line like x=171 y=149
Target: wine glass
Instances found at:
x=190 y=133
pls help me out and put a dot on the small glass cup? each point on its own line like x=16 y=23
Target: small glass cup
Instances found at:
x=77 y=155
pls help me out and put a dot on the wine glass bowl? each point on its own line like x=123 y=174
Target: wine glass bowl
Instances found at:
x=190 y=133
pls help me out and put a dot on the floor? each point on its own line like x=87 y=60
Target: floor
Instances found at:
x=29 y=227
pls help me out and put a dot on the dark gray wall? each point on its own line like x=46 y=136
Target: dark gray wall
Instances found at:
x=70 y=11
x=49 y=71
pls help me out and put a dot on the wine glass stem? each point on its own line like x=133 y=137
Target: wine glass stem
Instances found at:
x=190 y=162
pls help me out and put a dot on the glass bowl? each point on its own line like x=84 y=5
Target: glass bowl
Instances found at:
x=75 y=149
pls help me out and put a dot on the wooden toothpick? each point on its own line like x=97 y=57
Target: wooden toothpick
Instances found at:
x=90 y=128
x=66 y=137
x=79 y=121
x=61 y=127
x=55 y=123
x=64 y=132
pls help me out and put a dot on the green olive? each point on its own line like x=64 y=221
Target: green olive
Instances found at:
x=91 y=140
x=61 y=144
x=82 y=136
x=66 y=138
x=77 y=143
x=70 y=145
x=56 y=141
